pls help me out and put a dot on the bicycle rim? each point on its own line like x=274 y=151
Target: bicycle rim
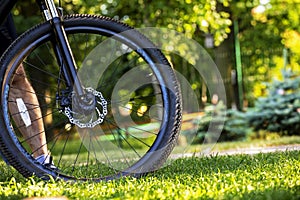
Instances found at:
x=137 y=97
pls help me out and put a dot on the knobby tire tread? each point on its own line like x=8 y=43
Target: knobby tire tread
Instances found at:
x=18 y=161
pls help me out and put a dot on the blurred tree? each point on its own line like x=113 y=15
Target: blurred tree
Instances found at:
x=279 y=110
x=266 y=28
x=185 y=16
x=194 y=19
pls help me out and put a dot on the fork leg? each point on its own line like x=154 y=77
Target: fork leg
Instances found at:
x=64 y=50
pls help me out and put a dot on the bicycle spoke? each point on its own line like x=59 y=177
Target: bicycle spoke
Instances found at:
x=111 y=130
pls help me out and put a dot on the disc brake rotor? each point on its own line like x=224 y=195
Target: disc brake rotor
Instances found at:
x=82 y=120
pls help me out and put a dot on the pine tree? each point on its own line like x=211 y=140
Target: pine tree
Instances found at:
x=279 y=111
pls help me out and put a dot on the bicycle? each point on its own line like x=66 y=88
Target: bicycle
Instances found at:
x=99 y=122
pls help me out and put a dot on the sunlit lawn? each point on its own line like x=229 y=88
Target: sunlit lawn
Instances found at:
x=261 y=176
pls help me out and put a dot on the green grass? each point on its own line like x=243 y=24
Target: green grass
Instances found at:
x=236 y=145
x=261 y=176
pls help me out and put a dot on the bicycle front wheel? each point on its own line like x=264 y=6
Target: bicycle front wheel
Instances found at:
x=131 y=129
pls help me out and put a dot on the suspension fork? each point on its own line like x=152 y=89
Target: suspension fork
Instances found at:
x=61 y=46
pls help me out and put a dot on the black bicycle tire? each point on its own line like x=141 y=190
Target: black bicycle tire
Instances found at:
x=23 y=162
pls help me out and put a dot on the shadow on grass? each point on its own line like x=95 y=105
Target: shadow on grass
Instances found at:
x=7 y=172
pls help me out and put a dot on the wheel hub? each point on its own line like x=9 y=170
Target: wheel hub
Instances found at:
x=87 y=111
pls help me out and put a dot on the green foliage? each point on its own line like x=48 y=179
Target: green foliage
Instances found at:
x=262 y=176
x=185 y=16
x=279 y=110
x=192 y=18
x=230 y=124
x=236 y=127
x=266 y=28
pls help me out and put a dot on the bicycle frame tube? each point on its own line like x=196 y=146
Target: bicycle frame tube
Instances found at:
x=5 y=7
x=63 y=49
